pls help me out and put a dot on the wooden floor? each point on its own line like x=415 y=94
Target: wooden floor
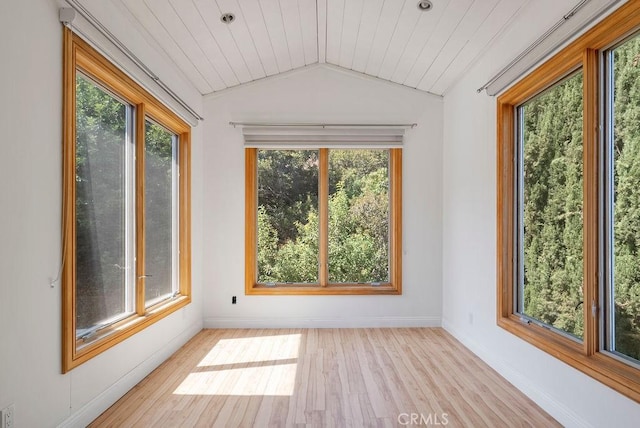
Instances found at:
x=324 y=377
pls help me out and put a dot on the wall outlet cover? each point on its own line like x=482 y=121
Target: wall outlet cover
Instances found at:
x=7 y=417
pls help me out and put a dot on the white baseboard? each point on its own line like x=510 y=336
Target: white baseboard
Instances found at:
x=94 y=408
x=561 y=413
x=360 y=322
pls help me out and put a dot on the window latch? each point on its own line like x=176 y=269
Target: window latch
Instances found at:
x=594 y=309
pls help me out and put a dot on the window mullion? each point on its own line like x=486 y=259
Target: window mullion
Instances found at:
x=251 y=220
x=323 y=210
x=139 y=216
x=395 y=220
x=607 y=319
x=184 y=222
x=591 y=200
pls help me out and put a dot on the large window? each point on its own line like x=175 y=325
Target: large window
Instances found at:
x=569 y=204
x=323 y=221
x=126 y=206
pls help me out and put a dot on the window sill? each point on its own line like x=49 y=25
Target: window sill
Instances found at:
x=618 y=375
x=331 y=289
x=122 y=330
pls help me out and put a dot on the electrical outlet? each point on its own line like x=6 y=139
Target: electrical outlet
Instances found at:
x=7 y=418
x=234 y=300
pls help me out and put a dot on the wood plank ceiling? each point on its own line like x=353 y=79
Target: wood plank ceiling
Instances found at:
x=389 y=39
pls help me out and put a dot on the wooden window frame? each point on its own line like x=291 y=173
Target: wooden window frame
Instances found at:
x=585 y=53
x=323 y=287
x=80 y=56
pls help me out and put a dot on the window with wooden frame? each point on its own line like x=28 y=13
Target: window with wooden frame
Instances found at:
x=126 y=206
x=568 y=159
x=323 y=221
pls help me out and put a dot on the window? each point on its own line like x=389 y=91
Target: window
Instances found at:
x=323 y=221
x=126 y=206
x=622 y=201
x=549 y=288
x=569 y=205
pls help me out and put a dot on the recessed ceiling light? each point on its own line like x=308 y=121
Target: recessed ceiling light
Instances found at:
x=425 y=5
x=228 y=18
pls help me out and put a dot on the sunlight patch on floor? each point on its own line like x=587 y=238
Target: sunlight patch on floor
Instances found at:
x=253 y=349
x=274 y=380
x=264 y=365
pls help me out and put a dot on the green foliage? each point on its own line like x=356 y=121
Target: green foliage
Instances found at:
x=267 y=247
x=353 y=168
x=297 y=260
x=287 y=188
x=353 y=253
x=287 y=216
x=358 y=216
x=553 y=206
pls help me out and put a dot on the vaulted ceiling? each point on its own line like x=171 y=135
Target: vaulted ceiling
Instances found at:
x=390 y=39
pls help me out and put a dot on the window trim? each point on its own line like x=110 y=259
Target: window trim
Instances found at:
x=584 y=52
x=393 y=287
x=78 y=55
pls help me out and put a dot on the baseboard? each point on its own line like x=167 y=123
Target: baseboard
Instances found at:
x=561 y=413
x=94 y=408
x=295 y=322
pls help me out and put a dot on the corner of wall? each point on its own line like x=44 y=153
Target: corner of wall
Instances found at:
x=95 y=407
x=559 y=411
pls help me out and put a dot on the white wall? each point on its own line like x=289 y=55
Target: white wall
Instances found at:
x=322 y=94
x=469 y=246
x=30 y=246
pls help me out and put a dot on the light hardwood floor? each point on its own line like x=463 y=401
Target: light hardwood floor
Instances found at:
x=324 y=377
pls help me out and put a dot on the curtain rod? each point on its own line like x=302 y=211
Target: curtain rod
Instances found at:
x=95 y=23
x=544 y=38
x=327 y=125
x=534 y=45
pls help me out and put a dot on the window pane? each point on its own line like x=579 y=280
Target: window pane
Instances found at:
x=288 y=216
x=358 y=216
x=103 y=150
x=550 y=132
x=625 y=160
x=161 y=210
